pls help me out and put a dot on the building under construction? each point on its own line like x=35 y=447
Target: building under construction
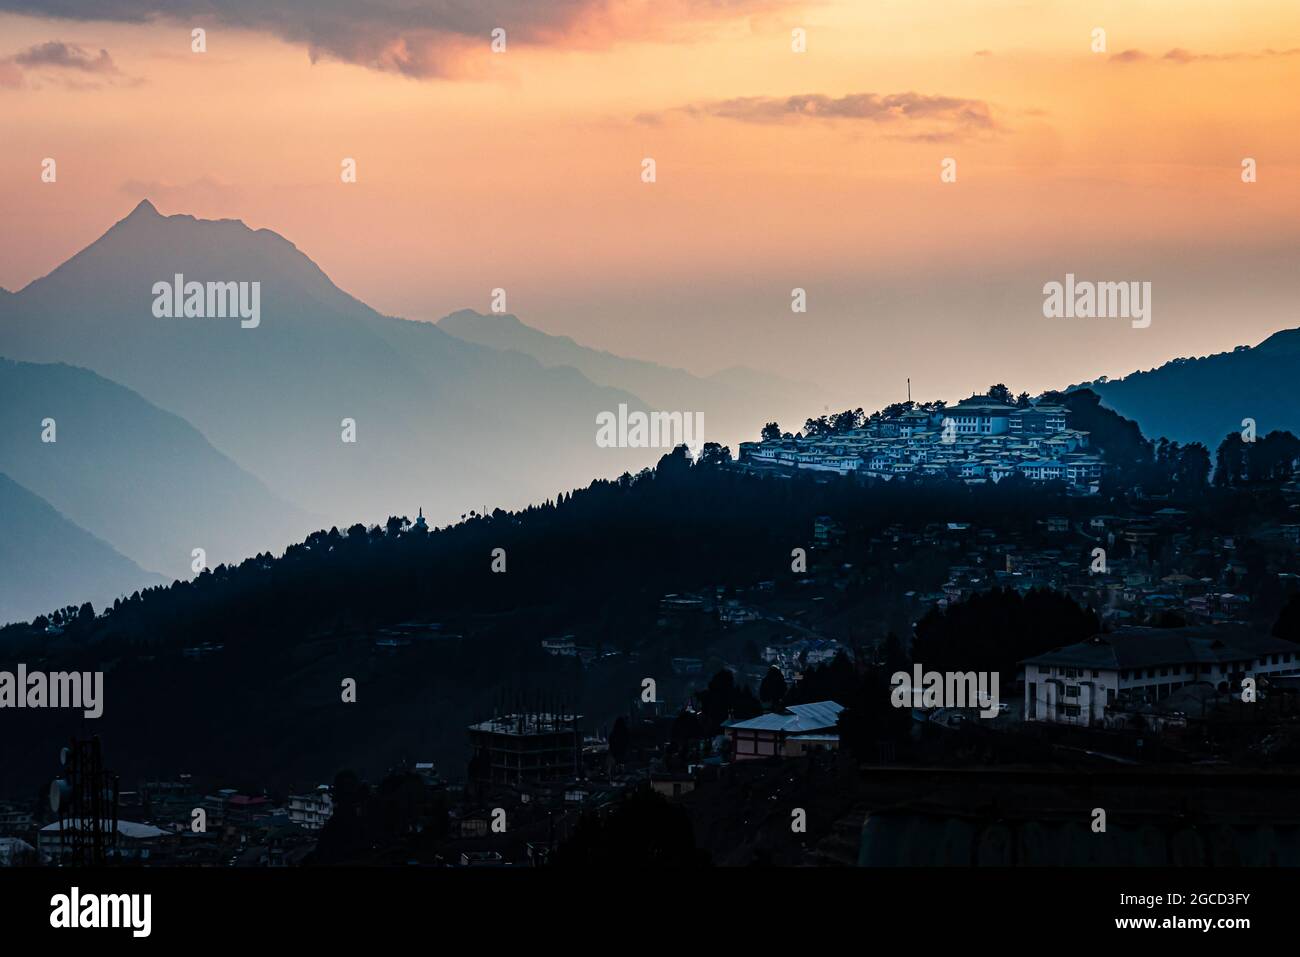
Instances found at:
x=526 y=747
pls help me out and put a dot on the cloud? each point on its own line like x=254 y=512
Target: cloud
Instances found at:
x=67 y=56
x=420 y=39
x=66 y=64
x=1182 y=57
x=911 y=115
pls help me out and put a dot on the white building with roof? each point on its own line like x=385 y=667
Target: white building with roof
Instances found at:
x=135 y=842
x=1080 y=684
x=787 y=733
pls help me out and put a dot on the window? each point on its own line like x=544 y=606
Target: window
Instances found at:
x=1164 y=672
x=1072 y=711
x=1072 y=691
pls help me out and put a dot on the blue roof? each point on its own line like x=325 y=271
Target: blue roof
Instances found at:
x=797 y=719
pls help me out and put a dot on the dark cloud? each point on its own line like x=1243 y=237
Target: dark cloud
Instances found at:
x=914 y=115
x=65 y=56
x=62 y=64
x=419 y=38
x=1181 y=57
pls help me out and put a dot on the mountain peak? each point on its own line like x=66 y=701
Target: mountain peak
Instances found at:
x=144 y=208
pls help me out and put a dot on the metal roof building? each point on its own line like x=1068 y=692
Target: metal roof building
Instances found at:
x=766 y=735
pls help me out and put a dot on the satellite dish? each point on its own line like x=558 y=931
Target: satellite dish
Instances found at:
x=59 y=793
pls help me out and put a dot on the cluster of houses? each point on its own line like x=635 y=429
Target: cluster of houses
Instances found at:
x=1126 y=567
x=977 y=440
x=171 y=822
x=792 y=658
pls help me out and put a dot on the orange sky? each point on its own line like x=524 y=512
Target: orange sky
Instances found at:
x=522 y=170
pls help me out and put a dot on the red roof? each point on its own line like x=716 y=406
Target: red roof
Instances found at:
x=243 y=800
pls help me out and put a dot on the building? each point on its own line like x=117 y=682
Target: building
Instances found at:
x=311 y=810
x=793 y=657
x=671 y=784
x=779 y=733
x=516 y=749
x=565 y=647
x=1085 y=683
x=1038 y=420
x=16 y=821
x=980 y=415
x=137 y=843
x=977 y=440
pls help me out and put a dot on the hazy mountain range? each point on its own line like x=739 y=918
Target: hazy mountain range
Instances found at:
x=177 y=433
x=132 y=474
x=47 y=562
x=729 y=400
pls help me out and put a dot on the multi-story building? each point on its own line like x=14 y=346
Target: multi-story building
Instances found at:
x=1080 y=684
x=1038 y=420
x=515 y=749
x=978 y=415
x=313 y=809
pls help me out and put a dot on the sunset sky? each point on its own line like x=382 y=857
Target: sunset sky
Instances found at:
x=775 y=169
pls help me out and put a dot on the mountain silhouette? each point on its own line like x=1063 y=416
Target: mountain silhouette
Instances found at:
x=439 y=422
x=1204 y=399
x=48 y=562
x=142 y=479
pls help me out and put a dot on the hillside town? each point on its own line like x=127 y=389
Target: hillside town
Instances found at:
x=1141 y=620
x=977 y=440
x=1156 y=684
